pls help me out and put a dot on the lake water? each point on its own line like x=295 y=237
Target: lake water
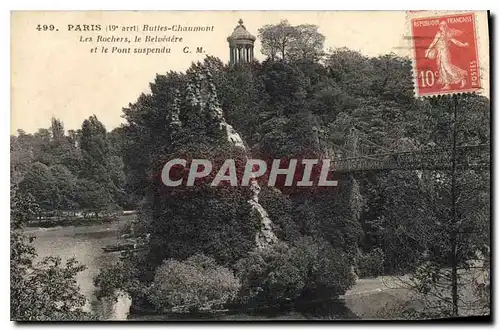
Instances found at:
x=84 y=243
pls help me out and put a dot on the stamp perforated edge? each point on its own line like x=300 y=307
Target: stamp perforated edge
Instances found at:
x=411 y=47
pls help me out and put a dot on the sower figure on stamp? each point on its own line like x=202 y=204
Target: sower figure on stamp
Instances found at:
x=448 y=73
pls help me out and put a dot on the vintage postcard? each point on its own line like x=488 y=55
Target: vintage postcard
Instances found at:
x=250 y=165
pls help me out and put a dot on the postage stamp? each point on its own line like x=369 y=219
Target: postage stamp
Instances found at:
x=445 y=54
x=222 y=165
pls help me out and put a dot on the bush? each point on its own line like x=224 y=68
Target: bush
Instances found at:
x=310 y=270
x=194 y=284
x=371 y=264
x=269 y=277
x=328 y=269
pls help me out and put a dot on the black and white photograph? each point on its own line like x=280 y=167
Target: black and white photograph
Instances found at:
x=250 y=166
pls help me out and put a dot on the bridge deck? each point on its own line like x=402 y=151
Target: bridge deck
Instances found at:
x=468 y=157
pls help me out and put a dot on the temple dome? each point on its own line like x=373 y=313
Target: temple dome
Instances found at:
x=241 y=33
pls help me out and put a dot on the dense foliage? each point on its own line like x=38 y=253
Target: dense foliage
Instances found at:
x=380 y=221
x=78 y=172
x=44 y=290
x=299 y=103
x=193 y=284
x=310 y=270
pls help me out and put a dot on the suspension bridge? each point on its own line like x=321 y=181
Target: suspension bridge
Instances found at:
x=360 y=154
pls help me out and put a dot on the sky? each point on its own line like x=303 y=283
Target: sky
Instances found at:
x=54 y=74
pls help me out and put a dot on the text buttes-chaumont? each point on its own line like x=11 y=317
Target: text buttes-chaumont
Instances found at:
x=177 y=28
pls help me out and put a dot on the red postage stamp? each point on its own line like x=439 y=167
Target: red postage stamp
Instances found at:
x=445 y=54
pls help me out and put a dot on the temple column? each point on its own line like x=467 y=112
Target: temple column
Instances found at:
x=241 y=44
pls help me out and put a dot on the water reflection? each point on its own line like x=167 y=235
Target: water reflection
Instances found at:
x=84 y=243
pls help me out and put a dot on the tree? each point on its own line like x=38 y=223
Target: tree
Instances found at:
x=148 y=130
x=94 y=145
x=21 y=151
x=302 y=43
x=96 y=187
x=57 y=129
x=43 y=291
x=307 y=45
x=275 y=39
x=392 y=78
x=40 y=183
x=438 y=219
x=351 y=70
x=243 y=98
x=46 y=291
x=193 y=284
x=200 y=218
x=74 y=137
x=65 y=187
x=117 y=177
x=284 y=83
x=93 y=196
x=116 y=139
x=310 y=270
x=62 y=149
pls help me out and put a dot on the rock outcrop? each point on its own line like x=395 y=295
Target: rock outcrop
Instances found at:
x=202 y=93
